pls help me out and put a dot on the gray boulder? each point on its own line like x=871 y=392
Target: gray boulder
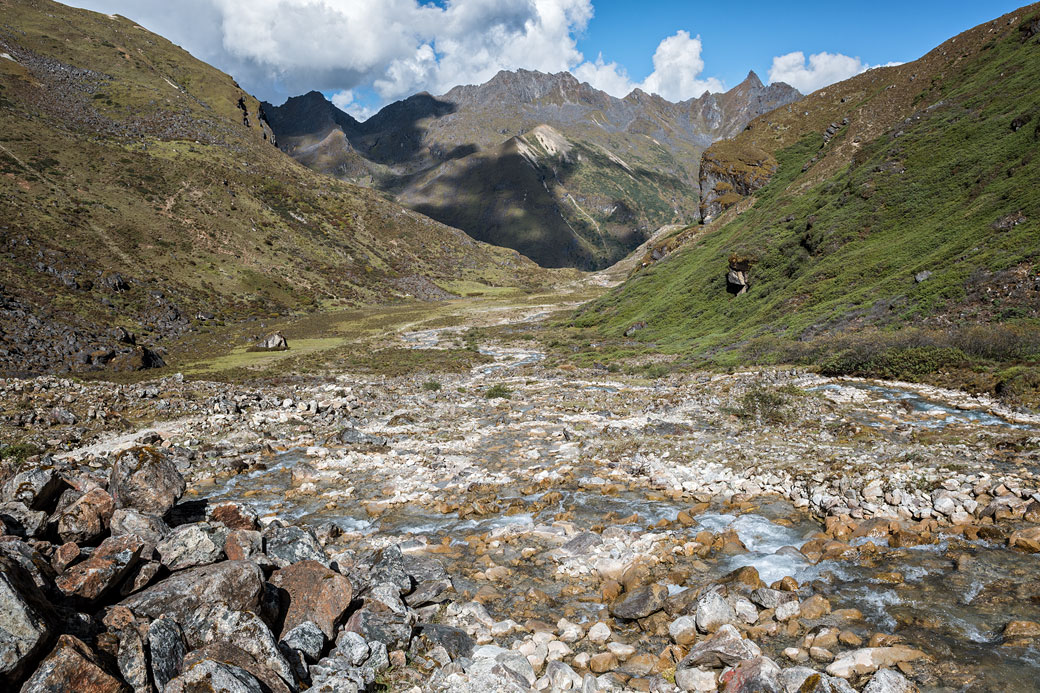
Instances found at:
x=167 y=649
x=209 y=676
x=192 y=545
x=288 y=545
x=25 y=619
x=238 y=585
x=38 y=488
x=146 y=480
x=889 y=681
x=148 y=528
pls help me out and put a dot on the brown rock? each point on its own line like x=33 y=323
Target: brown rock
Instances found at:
x=1026 y=539
x=603 y=662
x=233 y=516
x=243 y=544
x=640 y=603
x=71 y=666
x=1032 y=513
x=64 y=556
x=815 y=607
x=103 y=571
x=315 y=593
x=639 y=665
x=1022 y=629
x=87 y=517
x=786 y=584
x=748 y=575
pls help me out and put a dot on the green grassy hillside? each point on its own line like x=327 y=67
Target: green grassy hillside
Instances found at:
x=933 y=223
x=140 y=187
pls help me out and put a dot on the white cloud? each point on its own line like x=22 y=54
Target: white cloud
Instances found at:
x=821 y=70
x=677 y=65
x=277 y=48
x=676 y=76
x=345 y=101
x=609 y=77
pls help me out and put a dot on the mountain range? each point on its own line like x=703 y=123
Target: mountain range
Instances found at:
x=552 y=167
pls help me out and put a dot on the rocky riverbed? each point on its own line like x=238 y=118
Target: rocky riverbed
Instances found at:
x=757 y=531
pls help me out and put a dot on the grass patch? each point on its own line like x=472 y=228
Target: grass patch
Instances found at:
x=498 y=391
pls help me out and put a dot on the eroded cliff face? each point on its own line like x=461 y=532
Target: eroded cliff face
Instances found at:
x=727 y=177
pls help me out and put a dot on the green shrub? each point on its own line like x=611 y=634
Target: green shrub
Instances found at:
x=499 y=391
x=760 y=404
x=431 y=386
x=19 y=452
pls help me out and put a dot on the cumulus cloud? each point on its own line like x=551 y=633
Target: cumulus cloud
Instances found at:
x=277 y=48
x=676 y=76
x=821 y=70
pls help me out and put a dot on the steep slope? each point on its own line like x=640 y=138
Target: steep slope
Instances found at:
x=140 y=188
x=628 y=166
x=917 y=208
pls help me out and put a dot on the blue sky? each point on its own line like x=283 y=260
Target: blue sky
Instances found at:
x=364 y=54
x=737 y=38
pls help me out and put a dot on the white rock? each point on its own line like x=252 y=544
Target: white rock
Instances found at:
x=696 y=680
x=600 y=632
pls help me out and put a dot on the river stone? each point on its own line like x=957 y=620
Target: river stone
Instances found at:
x=889 y=681
x=806 y=680
x=238 y=585
x=713 y=612
x=867 y=660
x=561 y=677
x=242 y=630
x=640 y=603
x=148 y=528
x=208 y=676
x=315 y=593
x=37 y=488
x=25 y=619
x=146 y=480
x=288 y=545
x=167 y=649
x=87 y=518
x=581 y=544
x=682 y=630
x=696 y=679
x=20 y=521
x=725 y=648
x=71 y=666
x=1022 y=629
x=106 y=568
x=192 y=545
x=756 y=675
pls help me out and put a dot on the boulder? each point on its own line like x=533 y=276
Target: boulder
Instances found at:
x=20 y=521
x=37 y=488
x=245 y=632
x=132 y=660
x=238 y=585
x=243 y=544
x=209 y=676
x=288 y=545
x=700 y=680
x=307 y=639
x=25 y=619
x=756 y=675
x=233 y=515
x=106 y=568
x=806 y=680
x=146 y=480
x=148 y=528
x=192 y=545
x=167 y=649
x=274 y=342
x=87 y=517
x=713 y=611
x=315 y=593
x=72 y=666
x=455 y=641
x=377 y=621
x=867 y=660
x=640 y=602
x=889 y=681
x=725 y=648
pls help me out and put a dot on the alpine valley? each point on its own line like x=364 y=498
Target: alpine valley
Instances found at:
x=519 y=388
